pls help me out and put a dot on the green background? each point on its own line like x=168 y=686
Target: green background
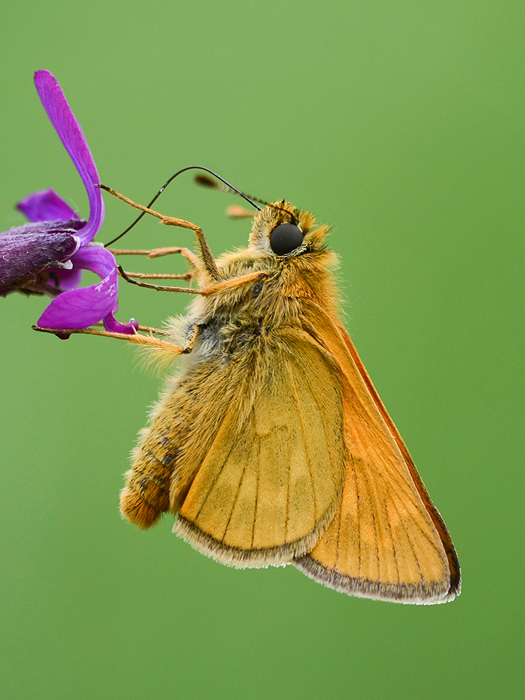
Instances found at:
x=400 y=123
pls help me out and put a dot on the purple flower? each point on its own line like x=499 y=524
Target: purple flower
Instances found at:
x=34 y=257
x=57 y=246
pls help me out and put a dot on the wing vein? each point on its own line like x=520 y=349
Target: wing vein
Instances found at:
x=292 y=380
x=215 y=480
x=258 y=447
x=358 y=499
x=409 y=540
x=391 y=533
x=372 y=509
x=425 y=533
x=234 y=501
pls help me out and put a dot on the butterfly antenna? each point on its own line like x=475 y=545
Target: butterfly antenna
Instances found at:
x=236 y=212
x=223 y=186
x=230 y=187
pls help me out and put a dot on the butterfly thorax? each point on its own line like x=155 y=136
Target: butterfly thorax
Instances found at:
x=236 y=319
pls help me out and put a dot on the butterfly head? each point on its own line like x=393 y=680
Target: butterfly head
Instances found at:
x=285 y=231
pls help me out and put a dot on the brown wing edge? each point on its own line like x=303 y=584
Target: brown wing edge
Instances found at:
x=401 y=593
x=252 y=558
x=418 y=594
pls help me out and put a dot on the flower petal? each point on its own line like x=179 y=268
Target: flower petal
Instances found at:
x=113 y=326
x=46 y=205
x=80 y=308
x=96 y=258
x=24 y=254
x=68 y=279
x=72 y=136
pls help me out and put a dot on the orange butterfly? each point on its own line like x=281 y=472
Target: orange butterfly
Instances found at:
x=271 y=443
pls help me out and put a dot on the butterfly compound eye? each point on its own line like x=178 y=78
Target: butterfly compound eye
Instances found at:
x=285 y=238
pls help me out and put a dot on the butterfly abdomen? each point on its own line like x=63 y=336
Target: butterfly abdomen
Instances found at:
x=182 y=428
x=146 y=494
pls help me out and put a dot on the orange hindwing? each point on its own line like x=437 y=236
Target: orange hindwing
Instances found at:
x=387 y=540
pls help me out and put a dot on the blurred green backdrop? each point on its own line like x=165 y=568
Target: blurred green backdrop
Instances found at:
x=400 y=123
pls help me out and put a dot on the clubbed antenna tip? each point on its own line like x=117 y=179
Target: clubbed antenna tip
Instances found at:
x=206 y=181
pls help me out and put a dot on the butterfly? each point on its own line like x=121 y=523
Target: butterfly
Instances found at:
x=270 y=443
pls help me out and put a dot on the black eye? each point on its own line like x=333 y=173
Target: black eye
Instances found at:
x=285 y=238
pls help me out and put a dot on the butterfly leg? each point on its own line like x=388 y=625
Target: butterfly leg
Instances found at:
x=208 y=262
x=157 y=276
x=161 y=252
x=234 y=283
x=237 y=212
x=149 y=341
x=128 y=277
